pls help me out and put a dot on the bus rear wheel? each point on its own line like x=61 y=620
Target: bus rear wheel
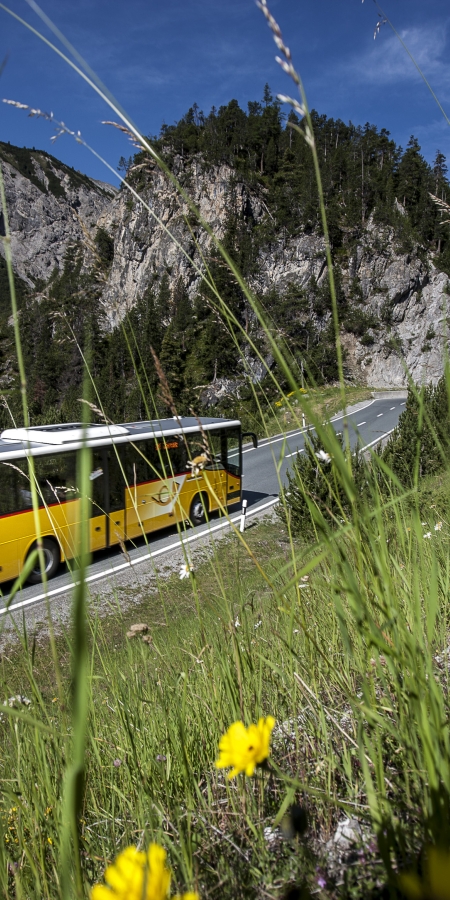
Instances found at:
x=198 y=513
x=52 y=558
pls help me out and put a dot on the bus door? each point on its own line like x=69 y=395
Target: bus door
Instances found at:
x=207 y=468
x=232 y=462
x=107 y=494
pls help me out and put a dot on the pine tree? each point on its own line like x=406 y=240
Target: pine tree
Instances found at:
x=413 y=185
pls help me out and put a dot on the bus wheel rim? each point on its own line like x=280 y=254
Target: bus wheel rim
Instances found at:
x=48 y=560
x=198 y=510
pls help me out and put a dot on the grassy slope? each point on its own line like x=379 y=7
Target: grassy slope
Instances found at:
x=157 y=712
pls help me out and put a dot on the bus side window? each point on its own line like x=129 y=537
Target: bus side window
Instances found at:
x=231 y=457
x=116 y=468
x=214 y=442
x=200 y=452
x=171 y=455
x=97 y=484
x=56 y=478
x=8 y=488
x=140 y=462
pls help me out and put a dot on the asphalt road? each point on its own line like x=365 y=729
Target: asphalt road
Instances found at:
x=264 y=469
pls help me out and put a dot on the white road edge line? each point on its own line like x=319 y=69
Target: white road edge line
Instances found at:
x=361 y=423
x=379 y=414
x=288 y=455
x=97 y=576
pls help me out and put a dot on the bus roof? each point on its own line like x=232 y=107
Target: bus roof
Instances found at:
x=42 y=439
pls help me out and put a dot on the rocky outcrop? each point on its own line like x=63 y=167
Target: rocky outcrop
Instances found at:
x=49 y=207
x=409 y=299
x=162 y=236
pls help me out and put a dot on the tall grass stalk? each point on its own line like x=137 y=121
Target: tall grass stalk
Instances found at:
x=384 y=19
x=73 y=787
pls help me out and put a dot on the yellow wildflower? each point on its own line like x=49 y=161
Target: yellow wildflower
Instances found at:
x=245 y=748
x=136 y=875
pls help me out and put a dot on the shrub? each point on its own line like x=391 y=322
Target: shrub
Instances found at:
x=316 y=496
x=421 y=442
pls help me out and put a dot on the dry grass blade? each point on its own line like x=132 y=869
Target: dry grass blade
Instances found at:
x=165 y=389
x=443 y=206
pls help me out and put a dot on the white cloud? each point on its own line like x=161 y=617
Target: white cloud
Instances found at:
x=388 y=63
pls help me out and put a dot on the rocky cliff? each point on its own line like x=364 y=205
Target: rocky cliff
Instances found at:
x=399 y=295
x=49 y=206
x=408 y=298
x=404 y=295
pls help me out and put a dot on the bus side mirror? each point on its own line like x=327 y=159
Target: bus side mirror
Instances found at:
x=251 y=435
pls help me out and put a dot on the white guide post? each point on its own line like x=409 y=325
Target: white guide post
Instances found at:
x=243 y=514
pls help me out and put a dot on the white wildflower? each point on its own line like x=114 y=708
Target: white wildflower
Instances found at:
x=237 y=623
x=323 y=456
x=428 y=534
x=15 y=703
x=270 y=835
x=186 y=570
x=438 y=526
x=258 y=623
x=18 y=700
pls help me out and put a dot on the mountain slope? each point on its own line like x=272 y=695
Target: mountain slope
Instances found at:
x=98 y=268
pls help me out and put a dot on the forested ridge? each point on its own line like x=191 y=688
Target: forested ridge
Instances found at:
x=368 y=182
x=363 y=170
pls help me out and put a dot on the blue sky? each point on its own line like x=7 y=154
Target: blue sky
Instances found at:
x=158 y=57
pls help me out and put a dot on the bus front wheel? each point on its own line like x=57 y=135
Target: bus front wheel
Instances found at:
x=52 y=558
x=198 y=513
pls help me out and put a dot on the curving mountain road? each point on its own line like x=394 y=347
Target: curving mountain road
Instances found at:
x=264 y=469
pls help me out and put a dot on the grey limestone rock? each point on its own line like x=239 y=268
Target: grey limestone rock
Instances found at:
x=43 y=223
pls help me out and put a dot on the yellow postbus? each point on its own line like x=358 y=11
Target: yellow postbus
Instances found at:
x=145 y=476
